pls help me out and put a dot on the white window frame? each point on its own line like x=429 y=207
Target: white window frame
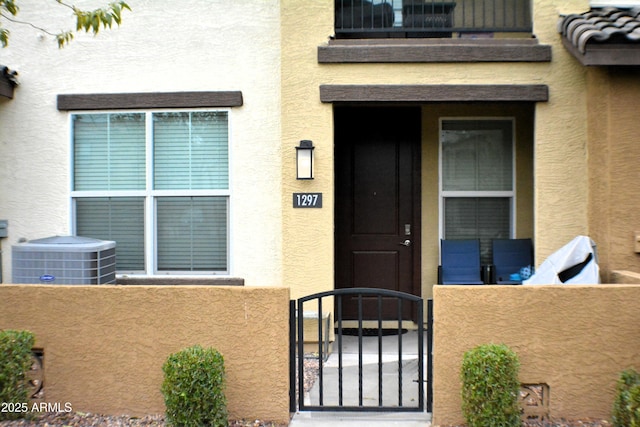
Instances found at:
x=442 y=194
x=150 y=195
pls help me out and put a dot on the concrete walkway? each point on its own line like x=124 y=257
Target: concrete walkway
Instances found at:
x=390 y=385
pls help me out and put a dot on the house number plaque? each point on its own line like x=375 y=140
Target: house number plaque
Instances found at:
x=307 y=200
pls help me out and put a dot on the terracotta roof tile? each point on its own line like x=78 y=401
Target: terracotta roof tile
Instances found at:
x=601 y=26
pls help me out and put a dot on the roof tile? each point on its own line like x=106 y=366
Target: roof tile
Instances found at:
x=601 y=26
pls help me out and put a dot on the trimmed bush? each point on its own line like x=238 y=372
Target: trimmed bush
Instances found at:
x=490 y=386
x=15 y=362
x=626 y=406
x=193 y=388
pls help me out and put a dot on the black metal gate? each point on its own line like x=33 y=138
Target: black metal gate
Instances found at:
x=378 y=368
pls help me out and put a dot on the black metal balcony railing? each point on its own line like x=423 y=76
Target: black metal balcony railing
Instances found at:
x=430 y=18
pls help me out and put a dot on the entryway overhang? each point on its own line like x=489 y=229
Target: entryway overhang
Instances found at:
x=434 y=93
x=605 y=37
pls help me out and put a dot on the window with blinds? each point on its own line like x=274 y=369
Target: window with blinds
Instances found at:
x=477 y=185
x=157 y=183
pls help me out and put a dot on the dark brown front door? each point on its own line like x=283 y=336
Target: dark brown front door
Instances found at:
x=377 y=152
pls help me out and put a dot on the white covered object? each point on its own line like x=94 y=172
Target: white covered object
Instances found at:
x=573 y=253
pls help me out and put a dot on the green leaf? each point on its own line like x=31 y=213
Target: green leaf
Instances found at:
x=4 y=37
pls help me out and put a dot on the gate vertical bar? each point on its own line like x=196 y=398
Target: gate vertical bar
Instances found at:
x=379 y=350
x=429 y=355
x=360 y=387
x=400 y=352
x=300 y=330
x=292 y=357
x=320 y=358
x=421 y=354
x=339 y=320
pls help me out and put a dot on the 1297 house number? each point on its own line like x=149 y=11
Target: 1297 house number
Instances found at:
x=307 y=200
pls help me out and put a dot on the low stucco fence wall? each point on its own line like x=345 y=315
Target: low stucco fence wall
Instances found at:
x=104 y=346
x=575 y=339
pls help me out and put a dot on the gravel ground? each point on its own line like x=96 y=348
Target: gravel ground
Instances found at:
x=80 y=419
x=585 y=422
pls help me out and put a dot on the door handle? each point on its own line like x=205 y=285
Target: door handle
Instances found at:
x=405 y=243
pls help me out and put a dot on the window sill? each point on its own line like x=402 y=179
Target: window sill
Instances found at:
x=433 y=50
x=178 y=280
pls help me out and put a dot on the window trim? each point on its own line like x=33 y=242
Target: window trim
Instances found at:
x=148 y=101
x=443 y=194
x=150 y=195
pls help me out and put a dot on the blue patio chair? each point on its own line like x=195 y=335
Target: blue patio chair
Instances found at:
x=509 y=256
x=460 y=262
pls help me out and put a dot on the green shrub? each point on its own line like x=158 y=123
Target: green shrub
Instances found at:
x=626 y=406
x=193 y=388
x=15 y=362
x=490 y=386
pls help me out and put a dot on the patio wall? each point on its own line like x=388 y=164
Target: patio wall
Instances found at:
x=104 y=346
x=576 y=339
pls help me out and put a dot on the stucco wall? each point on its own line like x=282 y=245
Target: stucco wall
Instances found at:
x=613 y=152
x=576 y=339
x=193 y=45
x=104 y=346
x=560 y=165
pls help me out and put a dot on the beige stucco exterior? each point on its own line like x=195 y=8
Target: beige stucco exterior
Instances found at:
x=575 y=163
x=561 y=184
x=552 y=209
x=104 y=346
x=613 y=153
x=575 y=339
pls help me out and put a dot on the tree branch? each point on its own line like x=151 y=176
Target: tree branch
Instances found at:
x=17 y=21
x=87 y=21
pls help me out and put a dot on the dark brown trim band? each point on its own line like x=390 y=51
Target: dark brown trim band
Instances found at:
x=433 y=93
x=117 y=101
x=427 y=51
x=613 y=54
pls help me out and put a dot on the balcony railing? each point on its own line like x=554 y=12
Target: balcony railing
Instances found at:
x=430 y=18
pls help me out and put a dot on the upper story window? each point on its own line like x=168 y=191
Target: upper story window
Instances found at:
x=157 y=183
x=430 y=18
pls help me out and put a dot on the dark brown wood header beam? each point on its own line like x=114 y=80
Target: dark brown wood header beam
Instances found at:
x=434 y=93
x=433 y=50
x=116 y=101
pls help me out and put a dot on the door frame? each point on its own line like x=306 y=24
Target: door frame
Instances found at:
x=416 y=192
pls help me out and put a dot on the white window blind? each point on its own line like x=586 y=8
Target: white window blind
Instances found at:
x=120 y=219
x=483 y=218
x=477 y=181
x=477 y=156
x=109 y=152
x=190 y=151
x=192 y=233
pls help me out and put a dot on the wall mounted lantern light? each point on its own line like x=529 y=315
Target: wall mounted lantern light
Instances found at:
x=304 y=160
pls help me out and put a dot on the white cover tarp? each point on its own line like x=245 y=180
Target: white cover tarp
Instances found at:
x=570 y=255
